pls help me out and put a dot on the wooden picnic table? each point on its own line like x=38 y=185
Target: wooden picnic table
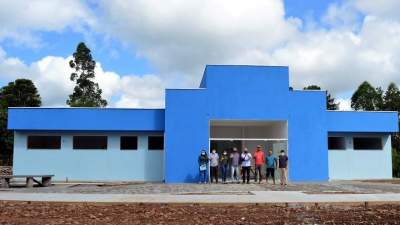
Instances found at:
x=30 y=180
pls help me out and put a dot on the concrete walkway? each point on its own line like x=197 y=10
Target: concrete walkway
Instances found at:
x=250 y=197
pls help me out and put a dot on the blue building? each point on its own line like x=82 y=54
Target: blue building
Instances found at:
x=235 y=106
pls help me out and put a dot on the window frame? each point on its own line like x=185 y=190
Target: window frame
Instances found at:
x=43 y=135
x=128 y=136
x=338 y=149
x=368 y=149
x=155 y=136
x=91 y=136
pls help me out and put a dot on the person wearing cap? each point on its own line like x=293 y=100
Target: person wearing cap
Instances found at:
x=235 y=157
x=224 y=161
x=246 y=164
x=259 y=161
x=203 y=165
x=214 y=162
x=283 y=165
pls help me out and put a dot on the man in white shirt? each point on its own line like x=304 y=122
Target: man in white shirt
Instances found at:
x=246 y=164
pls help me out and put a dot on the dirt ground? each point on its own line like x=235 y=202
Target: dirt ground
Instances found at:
x=100 y=213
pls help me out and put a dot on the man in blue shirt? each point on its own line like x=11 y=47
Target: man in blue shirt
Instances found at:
x=270 y=162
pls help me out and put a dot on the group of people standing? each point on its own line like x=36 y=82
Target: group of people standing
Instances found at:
x=240 y=165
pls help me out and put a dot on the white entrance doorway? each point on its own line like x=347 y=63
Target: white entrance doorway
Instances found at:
x=227 y=134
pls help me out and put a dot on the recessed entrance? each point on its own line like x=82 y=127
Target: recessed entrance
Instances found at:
x=227 y=134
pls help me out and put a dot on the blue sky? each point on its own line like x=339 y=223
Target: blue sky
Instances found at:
x=146 y=46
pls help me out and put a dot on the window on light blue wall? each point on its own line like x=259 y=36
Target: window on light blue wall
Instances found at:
x=336 y=143
x=43 y=142
x=90 y=142
x=128 y=142
x=155 y=142
x=367 y=143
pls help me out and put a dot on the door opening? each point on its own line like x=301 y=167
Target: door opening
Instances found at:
x=227 y=134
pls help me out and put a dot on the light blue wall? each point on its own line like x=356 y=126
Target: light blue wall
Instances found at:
x=350 y=164
x=112 y=164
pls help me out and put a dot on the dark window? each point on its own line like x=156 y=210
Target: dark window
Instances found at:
x=367 y=143
x=336 y=143
x=44 y=142
x=156 y=142
x=90 y=142
x=129 y=142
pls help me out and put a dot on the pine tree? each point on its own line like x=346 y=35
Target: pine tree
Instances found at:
x=86 y=92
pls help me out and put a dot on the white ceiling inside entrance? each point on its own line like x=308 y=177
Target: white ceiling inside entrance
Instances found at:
x=241 y=129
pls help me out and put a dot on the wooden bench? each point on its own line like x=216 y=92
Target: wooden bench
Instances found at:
x=30 y=180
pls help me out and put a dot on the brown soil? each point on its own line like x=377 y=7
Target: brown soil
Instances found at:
x=101 y=213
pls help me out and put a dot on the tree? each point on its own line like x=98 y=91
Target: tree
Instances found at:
x=86 y=92
x=391 y=98
x=330 y=101
x=392 y=103
x=20 y=93
x=367 y=98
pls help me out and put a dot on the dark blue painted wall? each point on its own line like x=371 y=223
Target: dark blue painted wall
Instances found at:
x=307 y=139
x=257 y=93
x=245 y=93
x=90 y=119
x=186 y=133
x=341 y=121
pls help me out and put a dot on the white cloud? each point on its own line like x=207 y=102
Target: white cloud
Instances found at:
x=344 y=104
x=341 y=16
x=388 y=9
x=180 y=37
x=145 y=91
x=19 y=19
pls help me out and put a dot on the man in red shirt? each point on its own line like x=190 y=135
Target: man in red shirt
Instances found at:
x=259 y=160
